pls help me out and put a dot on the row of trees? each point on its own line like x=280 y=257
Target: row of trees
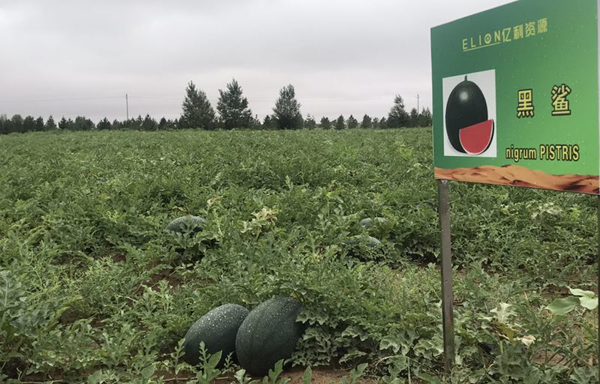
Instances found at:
x=19 y=124
x=232 y=112
x=415 y=119
x=30 y=124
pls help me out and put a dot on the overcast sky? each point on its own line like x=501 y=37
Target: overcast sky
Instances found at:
x=80 y=57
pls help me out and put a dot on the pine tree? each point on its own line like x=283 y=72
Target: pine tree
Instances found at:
x=137 y=123
x=375 y=123
x=383 y=124
x=325 y=123
x=29 y=124
x=9 y=127
x=352 y=122
x=233 y=107
x=425 y=118
x=62 y=124
x=50 y=124
x=116 y=124
x=339 y=123
x=268 y=123
x=17 y=123
x=4 y=126
x=256 y=123
x=39 y=124
x=129 y=124
x=366 y=122
x=197 y=111
x=104 y=124
x=310 y=122
x=162 y=125
x=82 y=123
x=414 y=118
x=398 y=117
x=149 y=124
x=287 y=110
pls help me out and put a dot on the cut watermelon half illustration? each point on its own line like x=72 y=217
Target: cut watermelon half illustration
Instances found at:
x=477 y=138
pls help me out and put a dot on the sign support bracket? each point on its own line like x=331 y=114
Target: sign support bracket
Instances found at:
x=447 y=292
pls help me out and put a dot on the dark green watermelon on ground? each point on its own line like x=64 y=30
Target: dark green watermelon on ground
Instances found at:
x=363 y=247
x=369 y=241
x=217 y=329
x=269 y=334
x=186 y=224
x=372 y=222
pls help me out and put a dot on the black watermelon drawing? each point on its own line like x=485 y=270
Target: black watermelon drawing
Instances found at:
x=467 y=124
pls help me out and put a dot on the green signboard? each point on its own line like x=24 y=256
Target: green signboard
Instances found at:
x=515 y=96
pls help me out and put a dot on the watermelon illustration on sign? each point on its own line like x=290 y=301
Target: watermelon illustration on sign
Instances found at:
x=467 y=125
x=477 y=138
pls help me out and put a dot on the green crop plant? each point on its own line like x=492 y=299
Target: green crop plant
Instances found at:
x=93 y=288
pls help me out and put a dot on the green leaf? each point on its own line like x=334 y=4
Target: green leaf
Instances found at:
x=356 y=373
x=355 y=332
x=361 y=368
x=390 y=342
x=214 y=360
x=274 y=374
x=582 y=375
x=587 y=299
x=428 y=378
x=243 y=378
x=352 y=355
x=95 y=378
x=505 y=313
x=148 y=372
x=307 y=376
x=504 y=330
x=582 y=293
x=589 y=303
x=563 y=306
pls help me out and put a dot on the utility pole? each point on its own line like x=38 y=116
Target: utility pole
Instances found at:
x=127 y=105
x=418 y=110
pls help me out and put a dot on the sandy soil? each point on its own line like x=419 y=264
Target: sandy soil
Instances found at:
x=321 y=376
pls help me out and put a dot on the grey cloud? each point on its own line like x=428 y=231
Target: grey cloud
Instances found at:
x=343 y=56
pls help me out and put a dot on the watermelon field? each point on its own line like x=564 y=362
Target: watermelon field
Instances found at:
x=95 y=289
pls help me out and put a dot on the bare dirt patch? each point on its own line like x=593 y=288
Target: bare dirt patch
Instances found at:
x=323 y=375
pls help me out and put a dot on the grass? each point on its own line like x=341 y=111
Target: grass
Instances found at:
x=92 y=285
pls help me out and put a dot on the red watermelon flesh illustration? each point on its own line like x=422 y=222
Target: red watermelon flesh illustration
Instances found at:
x=475 y=139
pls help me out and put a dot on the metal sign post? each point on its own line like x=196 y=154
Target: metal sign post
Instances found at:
x=447 y=293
